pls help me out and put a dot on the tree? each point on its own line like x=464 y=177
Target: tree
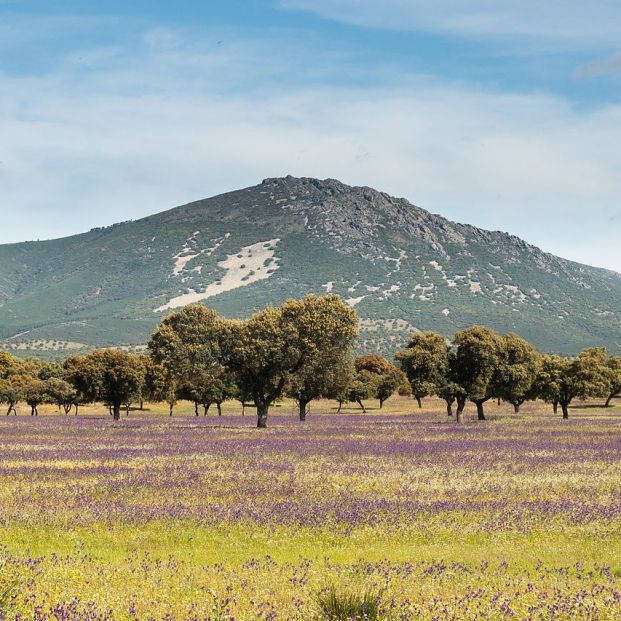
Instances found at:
x=213 y=388
x=588 y=376
x=614 y=366
x=159 y=384
x=326 y=376
x=73 y=375
x=564 y=379
x=547 y=384
x=449 y=389
x=10 y=394
x=192 y=345
x=243 y=397
x=108 y=375
x=15 y=375
x=34 y=394
x=517 y=369
x=7 y=364
x=361 y=386
x=275 y=344
x=425 y=363
x=384 y=378
x=570 y=384
x=60 y=393
x=326 y=329
x=265 y=354
x=476 y=360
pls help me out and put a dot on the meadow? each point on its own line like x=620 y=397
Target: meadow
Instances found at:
x=161 y=518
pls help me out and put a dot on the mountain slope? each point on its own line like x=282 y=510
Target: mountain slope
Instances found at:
x=400 y=266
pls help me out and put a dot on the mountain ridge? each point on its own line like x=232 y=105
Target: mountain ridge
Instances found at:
x=401 y=266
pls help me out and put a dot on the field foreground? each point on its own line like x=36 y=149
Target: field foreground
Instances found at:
x=208 y=518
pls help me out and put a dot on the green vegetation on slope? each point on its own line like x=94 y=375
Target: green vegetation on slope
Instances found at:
x=395 y=262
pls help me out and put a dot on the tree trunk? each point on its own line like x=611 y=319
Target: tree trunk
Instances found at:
x=33 y=409
x=610 y=398
x=516 y=407
x=196 y=408
x=338 y=411
x=243 y=408
x=262 y=411
x=555 y=406
x=419 y=401
x=127 y=410
x=359 y=402
x=116 y=411
x=565 y=409
x=219 y=406
x=480 y=412
x=302 y=403
x=461 y=404
x=141 y=404
x=206 y=407
x=11 y=409
x=171 y=406
x=449 y=408
x=381 y=402
x=67 y=408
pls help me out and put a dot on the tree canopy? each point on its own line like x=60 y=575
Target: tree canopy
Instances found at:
x=111 y=376
x=425 y=363
x=382 y=376
x=477 y=356
x=281 y=345
x=516 y=371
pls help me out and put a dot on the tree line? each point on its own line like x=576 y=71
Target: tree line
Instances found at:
x=479 y=365
x=304 y=350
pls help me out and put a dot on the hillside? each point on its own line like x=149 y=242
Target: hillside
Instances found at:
x=402 y=268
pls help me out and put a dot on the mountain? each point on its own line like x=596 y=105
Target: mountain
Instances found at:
x=402 y=268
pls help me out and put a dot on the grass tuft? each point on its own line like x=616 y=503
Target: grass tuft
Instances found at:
x=335 y=605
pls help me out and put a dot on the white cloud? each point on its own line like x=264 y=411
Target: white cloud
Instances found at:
x=573 y=20
x=173 y=121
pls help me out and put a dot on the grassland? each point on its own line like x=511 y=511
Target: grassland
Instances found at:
x=208 y=518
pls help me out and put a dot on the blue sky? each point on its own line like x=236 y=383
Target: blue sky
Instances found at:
x=501 y=114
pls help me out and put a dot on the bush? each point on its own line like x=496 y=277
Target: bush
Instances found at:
x=337 y=605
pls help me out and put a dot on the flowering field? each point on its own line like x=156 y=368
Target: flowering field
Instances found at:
x=209 y=518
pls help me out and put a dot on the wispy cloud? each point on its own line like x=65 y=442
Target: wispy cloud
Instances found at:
x=600 y=67
x=593 y=22
x=32 y=29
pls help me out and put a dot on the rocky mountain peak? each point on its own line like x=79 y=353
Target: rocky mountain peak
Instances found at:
x=400 y=266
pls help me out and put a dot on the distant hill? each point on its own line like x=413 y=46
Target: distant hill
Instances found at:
x=400 y=266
